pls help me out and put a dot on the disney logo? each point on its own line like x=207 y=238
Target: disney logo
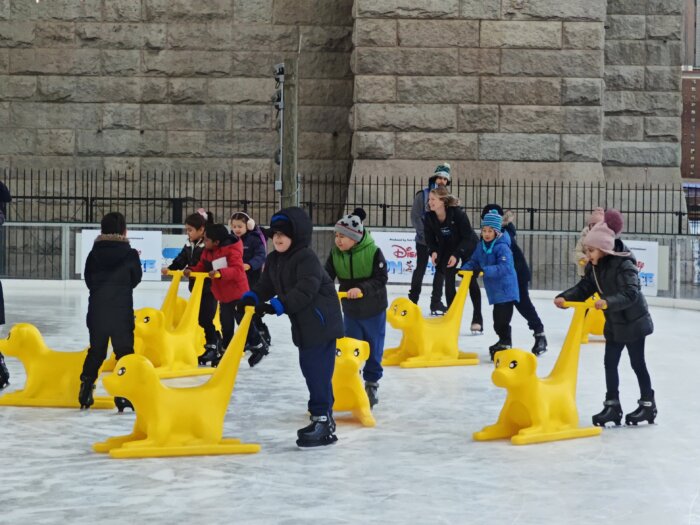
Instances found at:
x=401 y=252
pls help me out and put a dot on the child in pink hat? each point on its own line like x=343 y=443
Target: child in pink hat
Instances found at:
x=580 y=257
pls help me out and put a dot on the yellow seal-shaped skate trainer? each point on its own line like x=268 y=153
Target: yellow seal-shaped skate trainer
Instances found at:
x=429 y=342
x=538 y=410
x=53 y=377
x=348 y=390
x=594 y=323
x=177 y=421
x=173 y=352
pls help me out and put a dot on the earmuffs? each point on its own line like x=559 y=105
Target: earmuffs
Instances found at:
x=250 y=223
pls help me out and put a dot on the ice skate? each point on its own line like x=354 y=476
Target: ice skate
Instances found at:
x=318 y=434
x=611 y=413
x=371 y=389
x=123 y=403
x=85 y=397
x=438 y=309
x=500 y=345
x=4 y=373
x=477 y=329
x=257 y=352
x=265 y=334
x=646 y=411
x=540 y=346
x=209 y=355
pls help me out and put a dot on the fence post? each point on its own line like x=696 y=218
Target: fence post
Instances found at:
x=65 y=251
x=677 y=292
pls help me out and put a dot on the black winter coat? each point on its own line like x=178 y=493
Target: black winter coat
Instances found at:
x=189 y=256
x=112 y=271
x=455 y=236
x=303 y=287
x=616 y=279
x=522 y=270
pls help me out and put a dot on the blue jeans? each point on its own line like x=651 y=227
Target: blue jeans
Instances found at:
x=317 y=364
x=371 y=330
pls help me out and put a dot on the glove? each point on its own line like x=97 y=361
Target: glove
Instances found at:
x=246 y=300
x=265 y=308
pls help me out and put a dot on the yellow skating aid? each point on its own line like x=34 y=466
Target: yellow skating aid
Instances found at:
x=53 y=378
x=173 y=306
x=429 y=342
x=594 y=323
x=177 y=421
x=173 y=352
x=538 y=410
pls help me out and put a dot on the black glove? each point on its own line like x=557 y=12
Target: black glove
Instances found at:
x=265 y=308
x=243 y=302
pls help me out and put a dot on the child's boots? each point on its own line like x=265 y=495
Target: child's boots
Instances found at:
x=4 y=373
x=502 y=344
x=540 y=346
x=212 y=353
x=646 y=411
x=85 y=397
x=371 y=388
x=611 y=413
x=319 y=433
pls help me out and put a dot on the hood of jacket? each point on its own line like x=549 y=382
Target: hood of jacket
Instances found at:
x=302 y=227
x=110 y=250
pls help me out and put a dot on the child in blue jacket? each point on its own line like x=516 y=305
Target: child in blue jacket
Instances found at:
x=494 y=258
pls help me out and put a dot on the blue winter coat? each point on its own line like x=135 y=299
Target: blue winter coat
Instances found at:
x=495 y=259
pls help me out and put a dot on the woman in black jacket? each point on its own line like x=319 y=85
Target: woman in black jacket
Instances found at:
x=450 y=239
x=614 y=276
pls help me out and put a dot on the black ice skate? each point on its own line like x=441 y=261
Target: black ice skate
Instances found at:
x=4 y=374
x=85 y=397
x=612 y=412
x=123 y=403
x=211 y=353
x=265 y=334
x=646 y=411
x=438 y=309
x=500 y=345
x=371 y=389
x=318 y=434
x=540 y=346
x=477 y=328
x=257 y=352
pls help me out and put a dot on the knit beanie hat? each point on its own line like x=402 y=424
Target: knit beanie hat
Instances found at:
x=351 y=225
x=443 y=170
x=613 y=218
x=280 y=223
x=603 y=238
x=492 y=219
x=596 y=216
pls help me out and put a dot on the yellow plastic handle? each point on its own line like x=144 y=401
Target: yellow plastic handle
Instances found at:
x=588 y=303
x=344 y=295
x=192 y=274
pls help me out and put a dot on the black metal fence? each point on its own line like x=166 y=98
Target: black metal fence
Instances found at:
x=167 y=197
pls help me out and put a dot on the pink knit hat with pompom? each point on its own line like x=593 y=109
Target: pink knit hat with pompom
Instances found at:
x=613 y=218
x=602 y=237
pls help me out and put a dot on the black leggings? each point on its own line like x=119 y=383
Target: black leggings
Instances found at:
x=613 y=352
x=448 y=276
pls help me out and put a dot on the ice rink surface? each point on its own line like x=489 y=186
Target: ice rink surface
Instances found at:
x=418 y=466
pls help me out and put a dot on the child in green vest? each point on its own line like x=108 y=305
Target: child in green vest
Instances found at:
x=361 y=270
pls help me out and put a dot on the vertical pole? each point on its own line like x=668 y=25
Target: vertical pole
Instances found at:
x=289 y=167
x=65 y=251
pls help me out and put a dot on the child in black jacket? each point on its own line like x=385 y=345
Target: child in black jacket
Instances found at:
x=360 y=267
x=189 y=256
x=295 y=283
x=112 y=271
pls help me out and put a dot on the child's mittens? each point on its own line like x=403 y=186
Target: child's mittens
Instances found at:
x=247 y=300
x=275 y=306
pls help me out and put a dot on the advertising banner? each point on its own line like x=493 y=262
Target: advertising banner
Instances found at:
x=647 y=255
x=147 y=243
x=399 y=249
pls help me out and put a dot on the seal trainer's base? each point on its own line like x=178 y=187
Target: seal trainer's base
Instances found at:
x=539 y=410
x=429 y=342
x=53 y=378
x=177 y=421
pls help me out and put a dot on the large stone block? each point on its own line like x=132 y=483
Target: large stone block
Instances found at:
x=664 y=27
x=384 y=61
x=520 y=34
x=479 y=61
x=241 y=90
x=532 y=119
x=461 y=146
x=121 y=36
x=627 y=129
x=519 y=146
x=624 y=78
x=642 y=103
x=17 y=87
x=256 y=64
x=187 y=90
x=334 y=38
x=54 y=61
x=407 y=8
x=55 y=142
x=626 y=7
x=664 y=7
x=323 y=65
x=121 y=142
x=375 y=88
x=252 y=11
x=581 y=148
x=186 y=117
x=17 y=141
x=313 y=12
x=478 y=117
x=375 y=33
x=625 y=53
x=527 y=172
x=583 y=35
x=122 y=11
x=590 y=10
x=4 y=61
x=328 y=146
x=187 y=63
x=187 y=143
x=550 y=63
x=581 y=92
x=63 y=115
x=69 y=10
x=121 y=62
x=626 y=27
x=249 y=144
x=184 y=35
x=664 y=53
x=258 y=118
x=641 y=154
x=405 y=117
x=121 y=116
x=439 y=33
x=17 y=34
x=325 y=92
x=584 y=120
x=54 y=34
x=437 y=90
x=201 y=10
x=260 y=37
x=521 y=91
x=373 y=145
x=153 y=90
x=480 y=9
x=667 y=129
x=663 y=79
x=324 y=119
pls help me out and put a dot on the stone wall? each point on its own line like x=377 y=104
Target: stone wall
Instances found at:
x=170 y=84
x=509 y=89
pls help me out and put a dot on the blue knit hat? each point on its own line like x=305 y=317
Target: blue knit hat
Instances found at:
x=492 y=219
